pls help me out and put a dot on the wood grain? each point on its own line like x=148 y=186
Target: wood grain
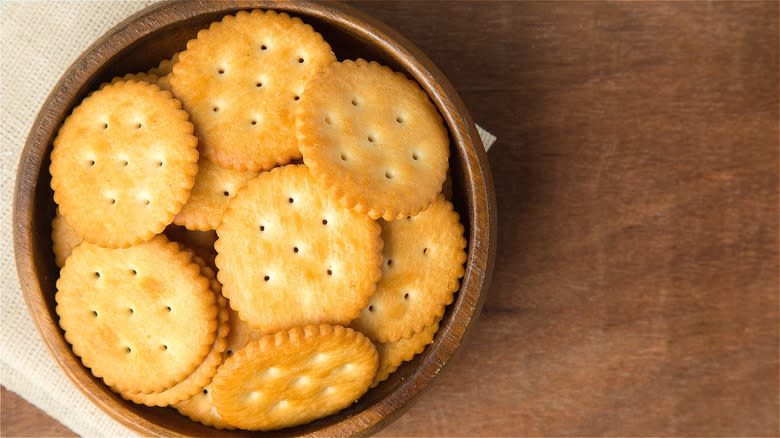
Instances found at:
x=636 y=283
x=19 y=418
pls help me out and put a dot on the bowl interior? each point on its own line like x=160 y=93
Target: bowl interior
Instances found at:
x=350 y=38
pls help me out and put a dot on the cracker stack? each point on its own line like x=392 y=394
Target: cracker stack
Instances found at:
x=330 y=273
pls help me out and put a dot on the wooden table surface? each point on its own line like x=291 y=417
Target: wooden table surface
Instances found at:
x=636 y=283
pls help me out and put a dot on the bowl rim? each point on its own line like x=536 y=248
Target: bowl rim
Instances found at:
x=479 y=190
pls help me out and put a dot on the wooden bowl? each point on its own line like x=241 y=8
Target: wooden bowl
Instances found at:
x=155 y=33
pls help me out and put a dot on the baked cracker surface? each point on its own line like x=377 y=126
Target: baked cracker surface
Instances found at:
x=373 y=139
x=393 y=354
x=141 y=318
x=213 y=189
x=64 y=239
x=289 y=256
x=293 y=377
x=123 y=164
x=241 y=79
x=200 y=407
x=423 y=262
x=195 y=382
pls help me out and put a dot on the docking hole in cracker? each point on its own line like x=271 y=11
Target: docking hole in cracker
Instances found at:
x=123 y=164
x=261 y=344
x=289 y=256
x=241 y=80
x=423 y=262
x=373 y=139
x=293 y=377
x=194 y=383
x=141 y=318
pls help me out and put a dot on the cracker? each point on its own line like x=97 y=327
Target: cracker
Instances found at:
x=195 y=382
x=141 y=318
x=123 y=164
x=241 y=334
x=424 y=257
x=142 y=76
x=288 y=256
x=163 y=71
x=201 y=408
x=393 y=354
x=293 y=377
x=64 y=239
x=241 y=79
x=164 y=82
x=373 y=139
x=214 y=187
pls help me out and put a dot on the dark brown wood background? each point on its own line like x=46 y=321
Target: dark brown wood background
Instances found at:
x=636 y=282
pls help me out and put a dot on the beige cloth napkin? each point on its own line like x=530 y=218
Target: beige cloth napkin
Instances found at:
x=40 y=39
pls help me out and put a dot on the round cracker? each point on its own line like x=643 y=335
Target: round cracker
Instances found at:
x=289 y=256
x=293 y=377
x=123 y=164
x=195 y=382
x=214 y=187
x=241 y=79
x=373 y=139
x=141 y=318
x=64 y=239
x=393 y=354
x=424 y=257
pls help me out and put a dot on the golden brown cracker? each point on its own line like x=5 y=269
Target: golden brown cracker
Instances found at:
x=424 y=257
x=164 y=82
x=373 y=139
x=163 y=71
x=201 y=408
x=195 y=382
x=293 y=377
x=241 y=79
x=393 y=354
x=142 y=76
x=141 y=318
x=123 y=164
x=241 y=334
x=289 y=256
x=64 y=239
x=214 y=187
